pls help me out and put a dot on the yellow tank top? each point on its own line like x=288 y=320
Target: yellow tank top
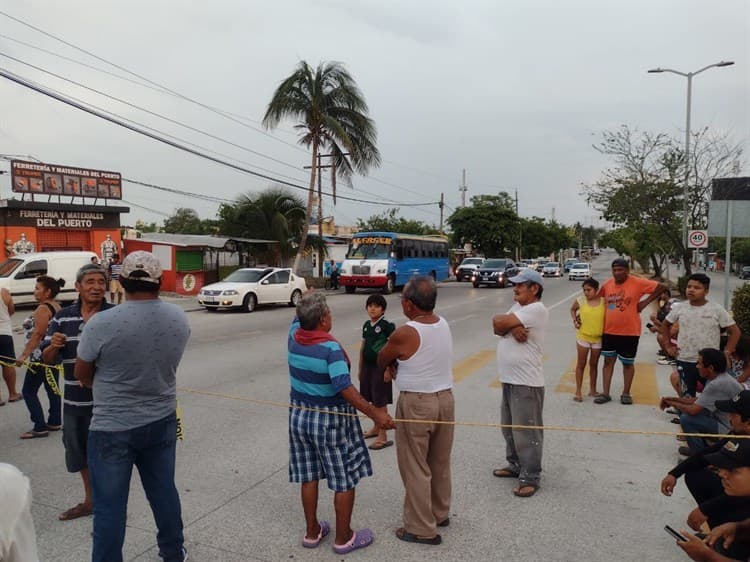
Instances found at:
x=592 y=321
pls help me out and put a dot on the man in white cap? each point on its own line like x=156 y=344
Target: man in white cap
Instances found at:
x=129 y=356
x=519 y=365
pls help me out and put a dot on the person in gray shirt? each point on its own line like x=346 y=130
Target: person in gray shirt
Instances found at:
x=129 y=356
x=699 y=415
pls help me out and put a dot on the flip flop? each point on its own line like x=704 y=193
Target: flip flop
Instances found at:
x=370 y=435
x=602 y=399
x=80 y=510
x=325 y=528
x=360 y=539
x=54 y=427
x=578 y=398
x=406 y=536
x=517 y=491
x=506 y=472
x=445 y=522
x=34 y=434
x=380 y=445
x=2 y=403
x=626 y=399
x=18 y=398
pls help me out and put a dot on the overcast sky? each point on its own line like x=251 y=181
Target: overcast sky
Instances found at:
x=515 y=92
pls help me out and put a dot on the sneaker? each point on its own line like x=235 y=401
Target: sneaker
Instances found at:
x=184 y=554
x=664 y=361
x=673 y=411
x=685 y=451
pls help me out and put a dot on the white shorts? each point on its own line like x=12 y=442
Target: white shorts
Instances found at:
x=589 y=345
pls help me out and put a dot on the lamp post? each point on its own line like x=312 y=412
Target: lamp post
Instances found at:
x=689 y=76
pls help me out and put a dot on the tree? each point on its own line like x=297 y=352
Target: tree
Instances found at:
x=644 y=188
x=331 y=115
x=388 y=221
x=490 y=224
x=273 y=214
x=540 y=237
x=183 y=221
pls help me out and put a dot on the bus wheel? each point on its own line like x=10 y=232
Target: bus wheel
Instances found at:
x=390 y=285
x=350 y=289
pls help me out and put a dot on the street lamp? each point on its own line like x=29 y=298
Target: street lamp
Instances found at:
x=689 y=76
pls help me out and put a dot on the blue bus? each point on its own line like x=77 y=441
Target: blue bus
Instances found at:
x=388 y=260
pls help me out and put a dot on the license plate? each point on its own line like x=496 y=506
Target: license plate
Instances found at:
x=209 y=300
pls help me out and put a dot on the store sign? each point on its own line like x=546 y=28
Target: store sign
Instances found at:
x=51 y=179
x=61 y=219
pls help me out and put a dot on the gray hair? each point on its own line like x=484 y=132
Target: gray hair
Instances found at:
x=88 y=269
x=422 y=292
x=311 y=310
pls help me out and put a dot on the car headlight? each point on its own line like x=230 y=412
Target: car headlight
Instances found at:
x=230 y=292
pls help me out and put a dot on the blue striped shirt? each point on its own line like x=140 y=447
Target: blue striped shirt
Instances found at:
x=318 y=372
x=78 y=400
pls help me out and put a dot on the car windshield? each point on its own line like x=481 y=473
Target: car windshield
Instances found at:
x=363 y=249
x=8 y=267
x=472 y=261
x=551 y=264
x=581 y=266
x=494 y=264
x=246 y=276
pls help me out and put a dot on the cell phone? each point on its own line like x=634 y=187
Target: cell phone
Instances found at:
x=649 y=325
x=674 y=533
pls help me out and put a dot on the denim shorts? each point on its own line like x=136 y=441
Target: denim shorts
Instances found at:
x=75 y=438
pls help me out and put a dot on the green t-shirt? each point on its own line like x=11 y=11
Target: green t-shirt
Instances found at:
x=375 y=337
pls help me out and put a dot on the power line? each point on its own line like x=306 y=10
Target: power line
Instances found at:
x=118 y=121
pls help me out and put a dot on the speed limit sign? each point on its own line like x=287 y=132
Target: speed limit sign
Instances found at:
x=698 y=239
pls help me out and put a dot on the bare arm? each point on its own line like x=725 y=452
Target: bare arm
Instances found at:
x=41 y=321
x=733 y=336
x=57 y=342
x=8 y=300
x=574 y=313
x=350 y=394
x=504 y=323
x=402 y=344
x=660 y=288
x=84 y=372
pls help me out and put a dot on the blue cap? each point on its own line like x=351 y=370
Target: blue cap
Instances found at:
x=526 y=275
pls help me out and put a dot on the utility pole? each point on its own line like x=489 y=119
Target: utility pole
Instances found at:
x=520 y=231
x=441 y=204
x=462 y=188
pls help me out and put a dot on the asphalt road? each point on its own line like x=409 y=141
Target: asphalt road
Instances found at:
x=599 y=499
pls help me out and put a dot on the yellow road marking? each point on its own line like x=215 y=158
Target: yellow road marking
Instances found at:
x=645 y=389
x=472 y=364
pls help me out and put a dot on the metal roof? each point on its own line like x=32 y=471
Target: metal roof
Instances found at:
x=203 y=240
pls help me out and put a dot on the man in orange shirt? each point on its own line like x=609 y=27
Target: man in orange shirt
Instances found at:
x=622 y=324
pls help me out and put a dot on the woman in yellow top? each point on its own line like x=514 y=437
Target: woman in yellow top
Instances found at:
x=588 y=318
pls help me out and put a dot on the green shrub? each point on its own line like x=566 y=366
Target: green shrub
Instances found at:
x=741 y=307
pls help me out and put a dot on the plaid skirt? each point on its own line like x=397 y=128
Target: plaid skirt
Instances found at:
x=324 y=445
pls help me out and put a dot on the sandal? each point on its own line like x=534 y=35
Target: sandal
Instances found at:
x=80 y=510
x=530 y=490
x=377 y=445
x=54 y=427
x=34 y=434
x=602 y=399
x=578 y=398
x=360 y=539
x=626 y=399
x=325 y=528
x=15 y=398
x=370 y=434
x=405 y=535
x=506 y=472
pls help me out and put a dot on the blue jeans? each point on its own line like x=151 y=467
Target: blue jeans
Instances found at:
x=112 y=455
x=701 y=423
x=35 y=377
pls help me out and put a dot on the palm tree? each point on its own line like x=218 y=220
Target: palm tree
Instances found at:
x=331 y=115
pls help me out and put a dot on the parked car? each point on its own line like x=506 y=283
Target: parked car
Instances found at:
x=580 y=270
x=745 y=272
x=569 y=263
x=245 y=288
x=467 y=268
x=551 y=269
x=495 y=272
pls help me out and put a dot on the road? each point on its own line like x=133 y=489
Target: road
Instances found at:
x=600 y=492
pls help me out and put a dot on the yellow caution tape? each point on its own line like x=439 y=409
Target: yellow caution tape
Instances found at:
x=49 y=370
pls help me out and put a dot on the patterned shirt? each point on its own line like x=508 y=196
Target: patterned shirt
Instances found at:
x=318 y=372
x=700 y=326
x=114 y=271
x=375 y=337
x=77 y=400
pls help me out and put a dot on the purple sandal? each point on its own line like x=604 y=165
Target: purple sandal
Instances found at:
x=360 y=539
x=325 y=528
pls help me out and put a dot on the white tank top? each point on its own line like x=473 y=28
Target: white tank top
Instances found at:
x=6 y=329
x=430 y=369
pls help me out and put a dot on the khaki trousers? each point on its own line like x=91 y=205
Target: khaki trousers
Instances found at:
x=423 y=451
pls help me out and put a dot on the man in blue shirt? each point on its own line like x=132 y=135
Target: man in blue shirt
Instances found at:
x=325 y=437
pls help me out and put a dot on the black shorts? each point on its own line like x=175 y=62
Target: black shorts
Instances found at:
x=624 y=347
x=6 y=348
x=373 y=388
x=75 y=438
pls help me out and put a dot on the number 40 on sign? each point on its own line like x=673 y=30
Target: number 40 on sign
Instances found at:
x=698 y=239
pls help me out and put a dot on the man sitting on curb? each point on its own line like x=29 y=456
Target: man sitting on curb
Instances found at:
x=714 y=507
x=699 y=415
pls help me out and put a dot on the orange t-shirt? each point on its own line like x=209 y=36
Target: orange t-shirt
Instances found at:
x=621 y=317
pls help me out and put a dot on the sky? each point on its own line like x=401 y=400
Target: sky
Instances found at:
x=514 y=92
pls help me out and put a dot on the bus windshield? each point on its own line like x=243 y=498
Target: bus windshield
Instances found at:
x=365 y=248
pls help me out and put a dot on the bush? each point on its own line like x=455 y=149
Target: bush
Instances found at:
x=741 y=307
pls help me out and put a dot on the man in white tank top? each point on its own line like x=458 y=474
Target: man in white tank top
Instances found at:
x=519 y=365
x=422 y=351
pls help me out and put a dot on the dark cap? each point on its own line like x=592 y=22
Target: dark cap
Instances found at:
x=734 y=454
x=620 y=262
x=740 y=404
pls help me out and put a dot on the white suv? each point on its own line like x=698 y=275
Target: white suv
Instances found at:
x=467 y=268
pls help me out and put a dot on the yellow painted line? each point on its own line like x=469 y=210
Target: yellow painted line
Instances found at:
x=472 y=364
x=645 y=389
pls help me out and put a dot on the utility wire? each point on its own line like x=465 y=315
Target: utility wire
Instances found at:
x=103 y=115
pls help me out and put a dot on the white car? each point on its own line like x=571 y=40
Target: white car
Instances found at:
x=245 y=288
x=579 y=271
x=551 y=269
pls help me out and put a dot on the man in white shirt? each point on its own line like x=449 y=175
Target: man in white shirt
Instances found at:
x=519 y=365
x=17 y=536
